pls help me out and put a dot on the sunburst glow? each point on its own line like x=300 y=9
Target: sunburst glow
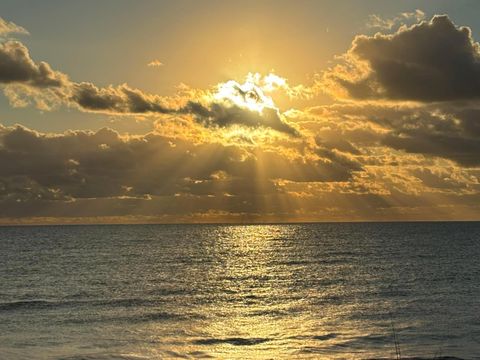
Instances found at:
x=248 y=95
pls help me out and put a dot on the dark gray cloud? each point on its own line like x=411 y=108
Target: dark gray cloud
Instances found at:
x=441 y=130
x=16 y=66
x=224 y=115
x=120 y=100
x=464 y=151
x=431 y=61
x=125 y=100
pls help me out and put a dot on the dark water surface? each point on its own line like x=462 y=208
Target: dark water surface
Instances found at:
x=322 y=291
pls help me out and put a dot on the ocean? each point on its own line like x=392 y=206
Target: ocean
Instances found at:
x=296 y=291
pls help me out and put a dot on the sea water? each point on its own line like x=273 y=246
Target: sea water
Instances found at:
x=320 y=291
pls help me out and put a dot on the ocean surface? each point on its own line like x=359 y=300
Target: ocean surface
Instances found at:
x=319 y=291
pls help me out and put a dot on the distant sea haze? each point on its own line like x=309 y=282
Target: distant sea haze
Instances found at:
x=299 y=291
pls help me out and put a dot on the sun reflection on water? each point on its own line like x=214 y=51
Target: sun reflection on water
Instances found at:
x=250 y=315
x=268 y=292
x=256 y=313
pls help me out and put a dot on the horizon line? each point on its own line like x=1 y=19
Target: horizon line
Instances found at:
x=240 y=223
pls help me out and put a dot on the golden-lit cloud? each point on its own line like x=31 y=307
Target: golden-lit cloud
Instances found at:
x=239 y=104
x=378 y=23
x=155 y=63
x=8 y=27
x=63 y=170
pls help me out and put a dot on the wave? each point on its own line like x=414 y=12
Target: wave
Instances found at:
x=135 y=318
x=45 y=304
x=25 y=304
x=190 y=355
x=237 y=341
x=322 y=337
x=103 y=357
x=325 y=336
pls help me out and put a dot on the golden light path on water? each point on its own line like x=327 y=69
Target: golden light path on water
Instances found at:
x=257 y=314
x=259 y=298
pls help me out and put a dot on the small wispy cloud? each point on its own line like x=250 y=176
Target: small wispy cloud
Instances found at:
x=377 y=22
x=155 y=63
x=8 y=27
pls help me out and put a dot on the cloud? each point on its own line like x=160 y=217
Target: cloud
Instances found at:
x=239 y=104
x=463 y=150
x=8 y=27
x=155 y=63
x=221 y=113
x=441 y=130
x=26 y=81
x=377 y=22
x=121 y=99
x=16 y=66
x=102 y=173
x=40 y=169
x=436 y=66
x=224 y=115
x=430 y=61
x=349 y=160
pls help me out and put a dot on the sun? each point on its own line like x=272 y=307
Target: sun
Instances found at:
x=248 y=95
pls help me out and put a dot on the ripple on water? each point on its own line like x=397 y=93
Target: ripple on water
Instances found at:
x=237 y=341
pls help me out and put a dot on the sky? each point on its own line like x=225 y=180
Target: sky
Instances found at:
x=120 y=111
